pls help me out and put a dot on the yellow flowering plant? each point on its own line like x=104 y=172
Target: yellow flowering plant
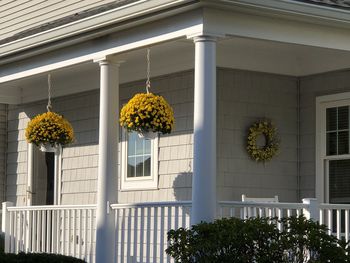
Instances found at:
x=270 y=149
x=147 y=112
x=49 y=128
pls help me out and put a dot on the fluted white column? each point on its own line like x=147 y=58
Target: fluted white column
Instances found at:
x=107 y=162
x=204 y=152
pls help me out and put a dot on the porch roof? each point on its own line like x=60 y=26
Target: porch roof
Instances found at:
x=250 y=38
x=333 y=3
x=66 y=20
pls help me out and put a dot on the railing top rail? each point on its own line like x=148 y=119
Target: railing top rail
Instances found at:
x=334 y=206
x=264 y=204
x=49 y=207
x=153 y=204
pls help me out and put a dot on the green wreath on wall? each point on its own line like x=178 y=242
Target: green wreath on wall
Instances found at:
x=266 y=152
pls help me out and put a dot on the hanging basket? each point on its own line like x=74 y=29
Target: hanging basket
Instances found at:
x=48 y=131
x=147 y=113
x=48 y=148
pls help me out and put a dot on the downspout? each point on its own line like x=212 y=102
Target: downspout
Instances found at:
x=298 y=142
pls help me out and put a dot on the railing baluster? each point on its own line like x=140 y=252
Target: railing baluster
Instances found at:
x=135 y=233
x=169 y=223
x=85 y=233
x=148 y=246
x=74 y=221
x=79 y=233
x=117 y=234
x=155 y=232
x=128 y=249
x=122 y=230
x=169 y=214
x=338 y=223
x=142 y=234
x=330 y=223
x=91 y=213
x=346 y=225
x=69 y=232
x=63 y=227
x=162 y=234
x=48 y=231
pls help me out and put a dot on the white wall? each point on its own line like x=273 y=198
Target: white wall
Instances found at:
x=79 y=160
x=311 y=87
x=243 y=98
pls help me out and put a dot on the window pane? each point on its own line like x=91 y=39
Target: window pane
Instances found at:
x=343 y=142
x=339 y=181
x=147 y=145
x=131 y=144
x=131 y=167
x=139 y=145
x=331 y=119
x=343 y=118
x=139 y=166
x=147 y=166
x=332 y=143
x=139 y=156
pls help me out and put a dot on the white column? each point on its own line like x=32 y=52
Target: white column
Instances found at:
x=204 y=152
x=107 y=162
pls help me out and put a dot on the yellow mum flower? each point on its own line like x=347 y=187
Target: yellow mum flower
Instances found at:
x=147 y=112
x=49 y=127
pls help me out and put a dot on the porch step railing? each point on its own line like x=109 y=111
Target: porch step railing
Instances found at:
x=68 y=230
x=141 y=229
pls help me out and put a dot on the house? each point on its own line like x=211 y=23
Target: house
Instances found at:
x=221 y=64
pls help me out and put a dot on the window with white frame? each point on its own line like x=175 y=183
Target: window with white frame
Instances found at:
x=139 y=162
x=332 y=148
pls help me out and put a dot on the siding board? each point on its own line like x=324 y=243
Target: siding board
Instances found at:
x=20 y=15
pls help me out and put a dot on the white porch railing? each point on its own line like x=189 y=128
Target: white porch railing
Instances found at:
x=141 y=229
x=336 y=218
x=68 y=230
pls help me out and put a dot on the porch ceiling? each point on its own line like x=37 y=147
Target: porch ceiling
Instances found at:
x=234 y=52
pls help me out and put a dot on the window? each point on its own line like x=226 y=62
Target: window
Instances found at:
x=332 y=148
x=139 y=162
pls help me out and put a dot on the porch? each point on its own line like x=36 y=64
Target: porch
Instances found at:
x=140 y=229
x=227 y=77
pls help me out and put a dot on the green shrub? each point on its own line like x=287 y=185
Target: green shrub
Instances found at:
x=256 y=240
x=37 y=258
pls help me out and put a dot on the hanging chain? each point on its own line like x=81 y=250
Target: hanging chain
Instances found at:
x=148 y=81
x=49 y=105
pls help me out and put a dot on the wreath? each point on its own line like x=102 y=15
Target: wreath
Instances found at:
x=271 y=147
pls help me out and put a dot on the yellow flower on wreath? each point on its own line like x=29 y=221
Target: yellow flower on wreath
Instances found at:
x=147 y=112
x=270 y=149
x=51 y=128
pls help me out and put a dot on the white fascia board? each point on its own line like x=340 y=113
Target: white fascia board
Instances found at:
x=275 y=29
x=292 y=7
x=172 y=28
x=117 y=15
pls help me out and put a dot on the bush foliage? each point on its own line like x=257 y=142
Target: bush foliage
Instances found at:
x=256 y=240
x=37 y=258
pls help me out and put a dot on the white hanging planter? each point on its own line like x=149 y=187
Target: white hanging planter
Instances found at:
x=148 y=135
x=47 y=147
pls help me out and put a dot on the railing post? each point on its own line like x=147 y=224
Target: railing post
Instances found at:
x=313 y=210
x=5 y=227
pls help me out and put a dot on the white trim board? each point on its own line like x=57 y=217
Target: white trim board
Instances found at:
x=323 y=102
